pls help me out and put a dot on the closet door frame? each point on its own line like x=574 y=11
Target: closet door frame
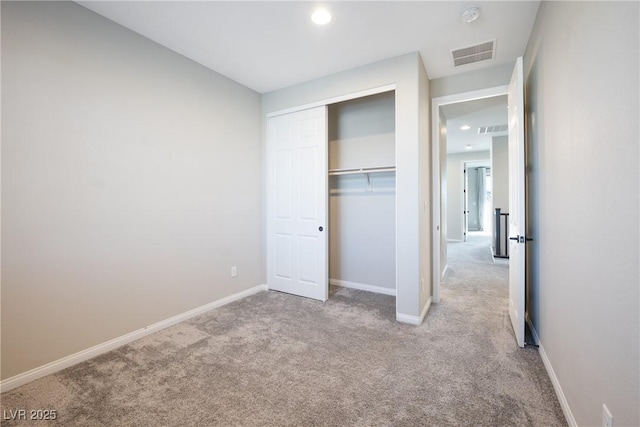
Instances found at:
x=326 y=103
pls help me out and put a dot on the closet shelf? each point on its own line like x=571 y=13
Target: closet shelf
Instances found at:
x=351 y=171
x=363 y=171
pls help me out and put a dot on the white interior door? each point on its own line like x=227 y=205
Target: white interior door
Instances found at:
x=516 y=203
x=297 y=203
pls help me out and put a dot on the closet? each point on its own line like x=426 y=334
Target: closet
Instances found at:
x=331 y=197
x=362 y=216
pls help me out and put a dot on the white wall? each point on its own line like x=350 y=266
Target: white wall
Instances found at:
x=455 y=188
x=405 y=72
x=500 y=172
x=362 y=219
x=582 y=91
x=130 y=183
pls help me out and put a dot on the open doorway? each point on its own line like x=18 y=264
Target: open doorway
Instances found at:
x=516 y=184
x=474 y=131
x=478 y=189
x=468 y=128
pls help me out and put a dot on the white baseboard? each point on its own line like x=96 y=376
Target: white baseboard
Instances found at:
x=96 y=350
x=414 y=320
x=454 y=240
x=363 y=287
x=444 y=271
x=554 y=379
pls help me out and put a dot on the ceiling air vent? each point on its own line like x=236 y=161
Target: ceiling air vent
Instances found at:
x=471 y=54
x=483 y=130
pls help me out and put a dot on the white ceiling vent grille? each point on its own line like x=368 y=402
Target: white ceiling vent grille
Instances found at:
x=483 y=130
x=470 y=54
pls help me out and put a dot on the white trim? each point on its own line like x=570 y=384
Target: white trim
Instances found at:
x=470 y=96
x=436 y=229
x=564 y=404
x=363 y=287
x=81 y=356
x=454 y=241
x=436 y=103
x=425 y=309
x=335 y=99
x=414 y=320
x=446 y=267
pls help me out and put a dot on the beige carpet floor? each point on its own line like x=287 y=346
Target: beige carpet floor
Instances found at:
x=274 y=359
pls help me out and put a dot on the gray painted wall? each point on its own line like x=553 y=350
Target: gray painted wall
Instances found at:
x=500 y=172
x=130 y=183
x=362 y=223
x=412 y=144
x=362 y=132
x=500 y=191
x=455 y=187
x=424 y=186
x=498 y=75
x=581 y=73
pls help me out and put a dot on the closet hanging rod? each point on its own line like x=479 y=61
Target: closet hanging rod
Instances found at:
x=349 y=171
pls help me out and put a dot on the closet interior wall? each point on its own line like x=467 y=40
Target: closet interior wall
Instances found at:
x=362 y=205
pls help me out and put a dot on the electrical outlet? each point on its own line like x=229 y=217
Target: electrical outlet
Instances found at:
x=607 y=418
x=234 y=271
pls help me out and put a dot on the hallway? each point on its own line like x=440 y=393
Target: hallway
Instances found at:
x=471 y=266
x=474 y=304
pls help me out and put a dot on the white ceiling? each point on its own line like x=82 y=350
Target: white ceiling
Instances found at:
x=481 y=112
x=268 y=45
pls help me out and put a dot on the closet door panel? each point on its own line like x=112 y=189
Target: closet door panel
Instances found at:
x=284 y=185
x=309 y=260
x=283 y=255
x=308 y=180
x=297 y=203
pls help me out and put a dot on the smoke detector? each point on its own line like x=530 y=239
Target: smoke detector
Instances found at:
x=470 y=14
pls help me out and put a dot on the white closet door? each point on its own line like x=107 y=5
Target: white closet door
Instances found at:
x=297 y=203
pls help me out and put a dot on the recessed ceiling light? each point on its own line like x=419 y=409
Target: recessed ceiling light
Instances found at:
x=465 y=127
x=470 y=14
x=321 y=17
x=468 y=147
